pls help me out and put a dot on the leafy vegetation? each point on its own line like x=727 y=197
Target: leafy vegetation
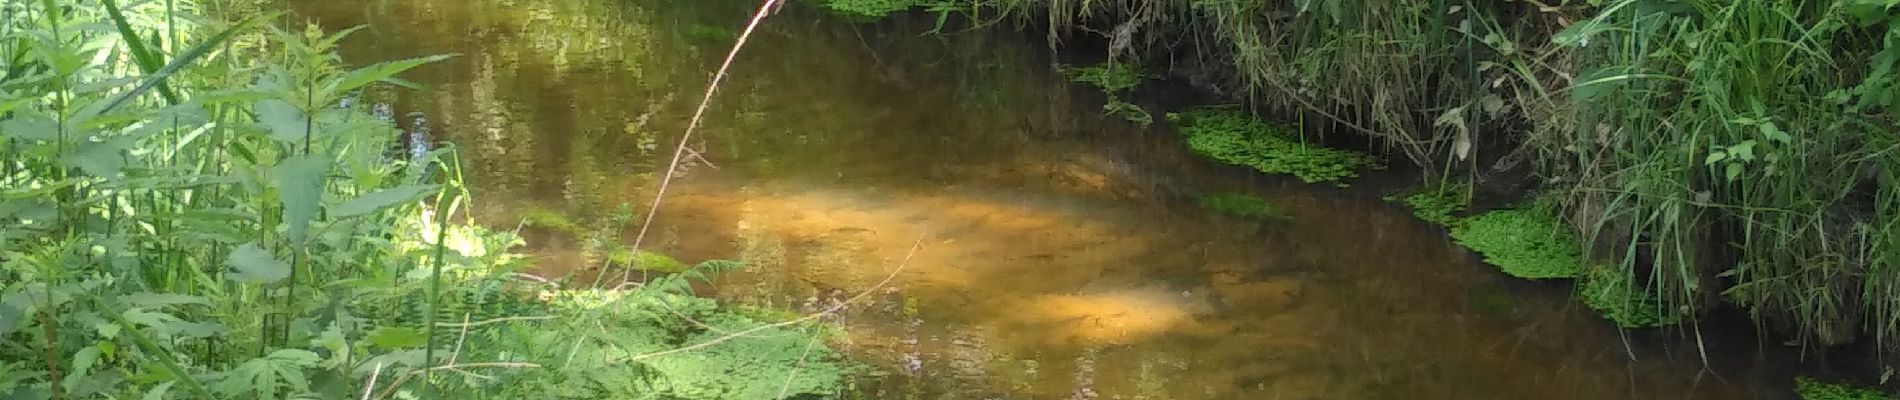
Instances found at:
x=871 y=9
x=1526 y=243
x=1814 y=389
x=1112 y=78
x=1116 y=80
x=1438 y=203
x=192 y=207
x=1233 y=137
x=1616 y=296
x=1240 y=205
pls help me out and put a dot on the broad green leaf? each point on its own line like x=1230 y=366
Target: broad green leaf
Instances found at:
x=252 y=264
x=285 y=122
x=98 y=159
x=380 y=199
x=29 y=126
x=391 y=337
x=81 y=366
x=300 y=189
x=1714 y=157
x=379 y=71
x=1734 y=170
x=10 y=319
x=149 y=299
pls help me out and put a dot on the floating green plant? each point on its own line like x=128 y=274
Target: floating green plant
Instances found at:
x=871 y=10
x=553 y=221
x=1438 y=203
x=1613 y=293
x=1815 y=389
x=1116 y=80
x=1525 y=243
x=1111 y=78
x=1233 y=137
x=1239 y=205
x=646 y=261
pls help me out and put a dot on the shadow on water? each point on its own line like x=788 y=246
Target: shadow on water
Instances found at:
x=1059 y=257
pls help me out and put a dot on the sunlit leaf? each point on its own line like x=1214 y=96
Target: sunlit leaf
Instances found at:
x=300 y=189
x=380 y=199
x=252 y=264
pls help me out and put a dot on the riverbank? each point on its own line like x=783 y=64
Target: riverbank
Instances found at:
x=1700 y=192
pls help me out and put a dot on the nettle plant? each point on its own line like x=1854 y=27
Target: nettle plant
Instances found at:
x=213 y=216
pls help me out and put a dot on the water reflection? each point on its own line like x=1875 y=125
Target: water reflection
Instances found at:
x=1058 y=257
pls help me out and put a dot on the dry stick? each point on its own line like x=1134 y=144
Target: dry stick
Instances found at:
x=457 y=368
x=705 y=102
x=817 y=315
x=371 y=387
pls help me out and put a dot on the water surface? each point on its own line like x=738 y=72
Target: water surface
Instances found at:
x=1057 y=254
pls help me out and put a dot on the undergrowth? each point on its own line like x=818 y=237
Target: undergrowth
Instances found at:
x=199 y=208
x=1235 y=137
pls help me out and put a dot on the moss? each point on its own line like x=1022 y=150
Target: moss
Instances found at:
x=1239 y=205
x=646 y=260
x=1815 y=389
x=553 y=221
x=1527 y=243
x=1613 y=293
x=1233 y=137
x=1438 y=203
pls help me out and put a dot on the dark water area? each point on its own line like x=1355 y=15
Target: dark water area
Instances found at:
x=1058 y=252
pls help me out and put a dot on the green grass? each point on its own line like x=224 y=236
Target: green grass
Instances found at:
x=1234 y=137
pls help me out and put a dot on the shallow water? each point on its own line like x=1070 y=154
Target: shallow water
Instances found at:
x=1052 y=253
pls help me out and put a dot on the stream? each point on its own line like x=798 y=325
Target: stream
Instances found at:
x=1039 y=249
